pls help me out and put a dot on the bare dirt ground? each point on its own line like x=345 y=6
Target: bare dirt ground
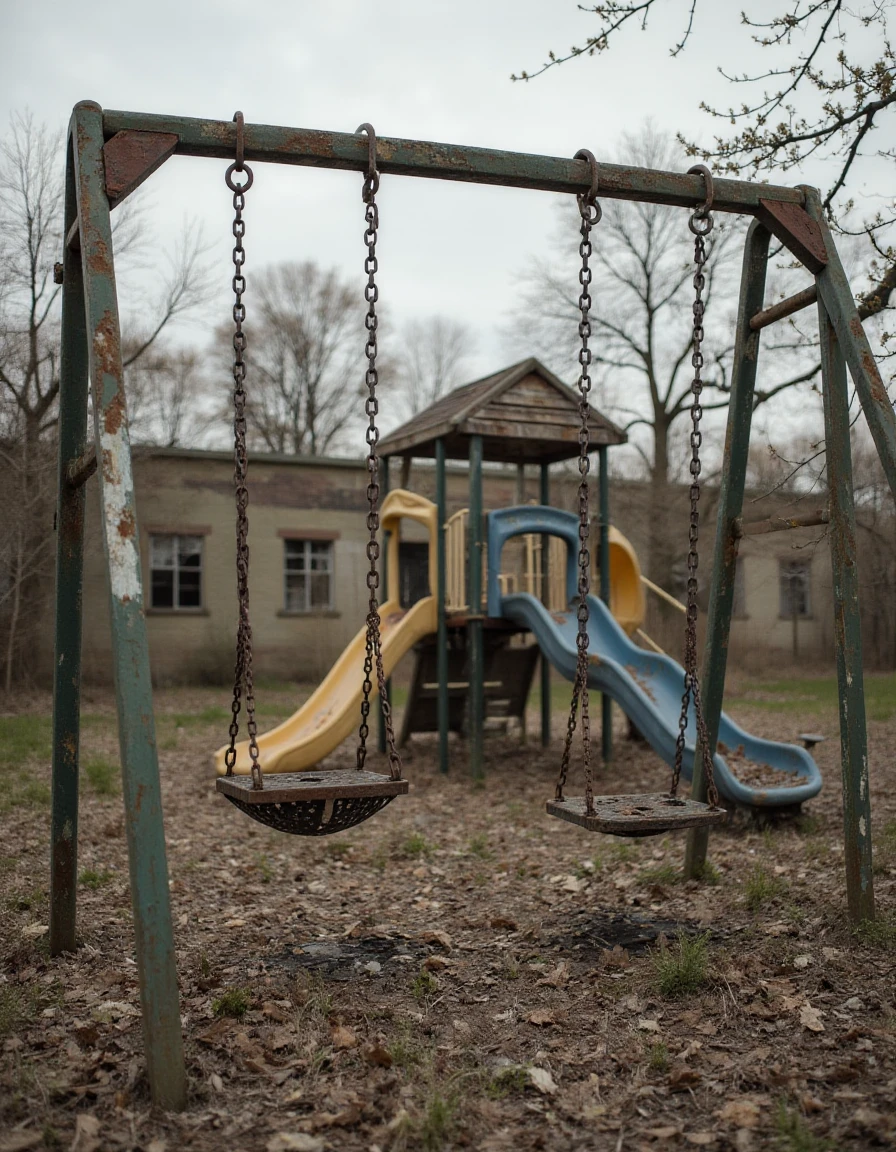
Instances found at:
x=459 y=972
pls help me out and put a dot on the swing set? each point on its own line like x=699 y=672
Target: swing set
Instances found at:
x=109 y=155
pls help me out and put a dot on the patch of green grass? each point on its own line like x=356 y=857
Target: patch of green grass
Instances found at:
x=682 y=968
x=658 y=1057
x=509 y=1081
x=338 y=848
x=804 y=696
x=478 y=846
x=886 y=840
x=10 y=1009
x=27 y=901
x=234 y=1002
x=90 y=878
x=879 y=933
x=424 y=986
x=406 y=1053
x=760 y=887
x=24 y=740
x=511 y=968
x=416 y=845
x=211 y=715
x=793 y=1134
x=265 y=871
x=437 y=1121
x=623 y=853
x=102 y=775
x=661 y=874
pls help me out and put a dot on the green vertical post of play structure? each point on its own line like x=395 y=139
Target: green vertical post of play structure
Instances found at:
x=847 y=627
x=606 y=703
x=73 y=385
x=544 y=498
x=384 y=592
x=731 y=497
x=476 y=675
x=442 y=633
x=130 y=652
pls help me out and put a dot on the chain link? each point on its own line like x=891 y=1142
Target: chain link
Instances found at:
x=243 y=671
x=701 y=224
x=373 y=657
x=590 y=213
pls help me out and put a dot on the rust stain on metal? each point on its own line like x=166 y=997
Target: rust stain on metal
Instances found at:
x=131 y=157
x=114 y=414
x=127 y=526
x=98 y=259
x=107 y=349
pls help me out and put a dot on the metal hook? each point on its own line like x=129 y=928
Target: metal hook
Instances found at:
x=588 y=205
x=239 y=165
x=372 y=179
x=702 y=213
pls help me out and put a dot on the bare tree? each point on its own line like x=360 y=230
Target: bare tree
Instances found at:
x=432 y=356
x=31 y=169
x=305 y=339
x=166 y=390
x=642 y=323
x=827 y=90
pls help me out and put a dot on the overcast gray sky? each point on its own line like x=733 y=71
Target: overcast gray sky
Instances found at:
x=432 y=70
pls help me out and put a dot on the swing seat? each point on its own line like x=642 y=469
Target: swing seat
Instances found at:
x=315 y=803
x=636 y=815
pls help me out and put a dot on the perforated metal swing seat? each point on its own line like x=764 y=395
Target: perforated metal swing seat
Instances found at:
x=312 y=803
x=636 y=815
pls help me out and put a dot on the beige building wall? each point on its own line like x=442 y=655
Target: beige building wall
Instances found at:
x=190 y=492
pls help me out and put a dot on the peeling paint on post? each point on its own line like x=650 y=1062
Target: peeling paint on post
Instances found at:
x=847 y=627
x=731 y=498
x=474 y=628
x=139 y=761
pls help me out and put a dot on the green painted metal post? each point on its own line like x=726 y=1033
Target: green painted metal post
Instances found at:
x=442 y=633
x=836 y=295
x=73 y=390
x=384 y=491
x=136 y=729
x=847 y=628
x=474 y=627
x=544 y=497
x=731 y=496
x=606 y=704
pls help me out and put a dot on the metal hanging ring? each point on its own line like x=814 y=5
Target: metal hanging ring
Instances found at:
x=239 y=165
x=701 y=220
x=587 y=201
x=372 y=179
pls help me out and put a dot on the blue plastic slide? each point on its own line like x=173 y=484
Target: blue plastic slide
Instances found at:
x=647 y=686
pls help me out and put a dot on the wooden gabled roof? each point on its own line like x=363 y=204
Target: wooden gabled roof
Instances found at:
x=524 y=414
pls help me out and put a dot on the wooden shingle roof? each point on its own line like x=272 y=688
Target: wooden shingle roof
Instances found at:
x=524 y=414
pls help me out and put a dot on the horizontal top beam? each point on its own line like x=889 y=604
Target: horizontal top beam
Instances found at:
x=423 y=158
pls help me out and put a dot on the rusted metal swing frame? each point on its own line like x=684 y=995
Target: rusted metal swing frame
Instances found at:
x=109 y=154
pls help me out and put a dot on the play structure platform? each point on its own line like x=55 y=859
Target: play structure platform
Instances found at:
x=534 y=601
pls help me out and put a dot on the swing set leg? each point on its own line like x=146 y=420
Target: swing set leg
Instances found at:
x=731 y=497
x=90 y=326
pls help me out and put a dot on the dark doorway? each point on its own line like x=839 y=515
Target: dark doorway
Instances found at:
x=413 y=572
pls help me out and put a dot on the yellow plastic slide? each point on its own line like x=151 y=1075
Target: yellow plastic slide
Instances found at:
x=333 y=712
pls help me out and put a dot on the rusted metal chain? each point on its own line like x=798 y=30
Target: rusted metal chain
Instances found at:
x=590 y=213
x=243 y=671
x=373 y=657
x=701 y=224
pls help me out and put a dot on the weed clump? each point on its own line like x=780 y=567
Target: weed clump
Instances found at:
x=760 y=888
x=234 y=1002
x=415 y=846
x=102 y=775
x=683 y=968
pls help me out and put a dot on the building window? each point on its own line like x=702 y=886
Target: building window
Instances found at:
x=175 y=571
x=308 y=575
x=794 y=588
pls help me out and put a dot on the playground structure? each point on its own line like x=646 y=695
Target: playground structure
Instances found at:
x=110 y=154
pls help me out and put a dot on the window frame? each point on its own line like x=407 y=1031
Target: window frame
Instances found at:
x=176 y=536
x=293 y=539
x=786 y=563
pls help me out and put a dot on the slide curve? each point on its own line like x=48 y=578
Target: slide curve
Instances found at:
x=333 y=712
x=648 y=687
